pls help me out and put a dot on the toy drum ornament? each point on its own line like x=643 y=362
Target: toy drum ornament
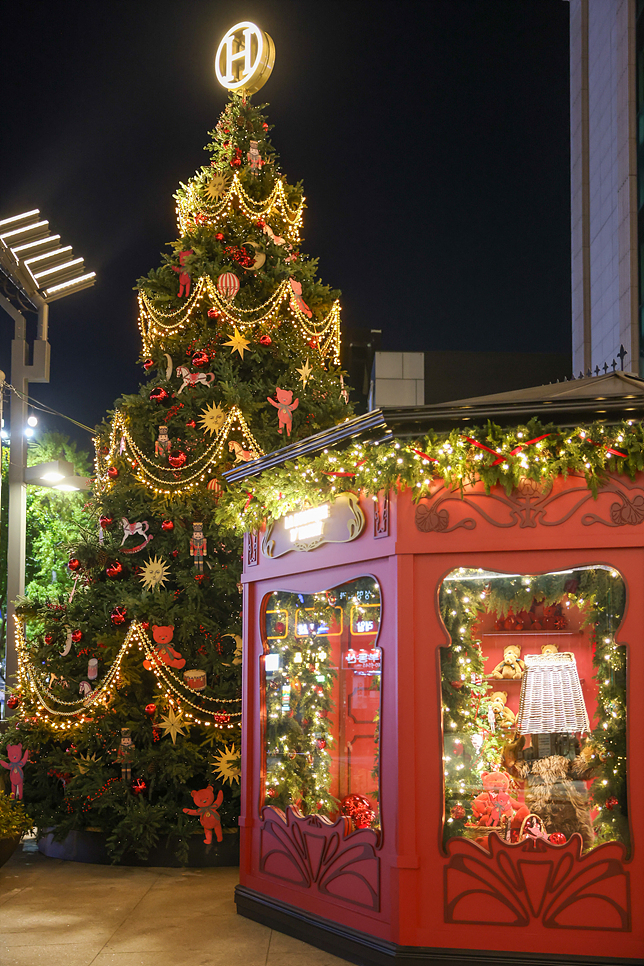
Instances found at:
x=195 y=680
x=228 y=285
x=92 y=669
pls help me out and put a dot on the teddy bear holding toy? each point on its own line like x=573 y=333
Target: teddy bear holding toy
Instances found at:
x=511 y=666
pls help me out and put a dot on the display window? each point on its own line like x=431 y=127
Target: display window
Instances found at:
x=321 y=708
x=534 y=706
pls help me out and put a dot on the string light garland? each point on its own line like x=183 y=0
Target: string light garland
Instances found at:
x=191 y=204
x=501 y=456
x=34 y=689
x=166 y=479
x=280 y=307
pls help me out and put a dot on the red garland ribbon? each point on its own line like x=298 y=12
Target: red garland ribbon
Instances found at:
x=430 y=459
x=609 y=450
x=247 y=503
x=500 y=456
x=343 y=472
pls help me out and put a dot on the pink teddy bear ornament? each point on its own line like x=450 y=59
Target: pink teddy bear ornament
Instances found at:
x=15 y=766
x=284 y=408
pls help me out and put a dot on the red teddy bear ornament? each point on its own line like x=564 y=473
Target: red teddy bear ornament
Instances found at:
x=284 y=407
x=165 y=654
x=206 y=809
x=495 y=803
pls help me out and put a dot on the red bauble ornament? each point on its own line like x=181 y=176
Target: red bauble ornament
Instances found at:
x=199 y=578
x=219 y=236
x=265 y=340
x=77 y=636
x=148 y=363
x=190 y=424
x=156 y=734
x=313 y=343
x=200 y=358
x=119 y=615
x=167 y=525
x=150 y=709
x=457 y=685
x=175 y=553
x=177 y=459
x=49 y=638
x=74 y=564
x=213 y=313
x=159 y=395
x=114 y=570
x=105 y=522
x=557 y=838
x=457 y=812
x=13 y=701
x=145 y=625
x=321 y=743
x=271 y=793
x=221 y=717
x=280 y=627
x=457 y=747
x=611 y=803
x=112 y=472
x=138 y=786
x=359 y=810
x=265 y=126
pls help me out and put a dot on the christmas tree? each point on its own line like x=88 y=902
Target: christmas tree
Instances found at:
x=129 y=695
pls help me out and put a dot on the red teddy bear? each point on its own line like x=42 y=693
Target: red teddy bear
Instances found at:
x=206 y=809
x=165 y=654
x=495 y=802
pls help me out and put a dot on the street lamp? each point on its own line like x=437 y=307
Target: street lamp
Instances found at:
x=35 y=270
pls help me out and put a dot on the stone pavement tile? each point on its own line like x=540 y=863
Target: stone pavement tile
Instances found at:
x=287 y=951
x=218 y=955
x=211 y=893
x=164 y=931
x=69 y=954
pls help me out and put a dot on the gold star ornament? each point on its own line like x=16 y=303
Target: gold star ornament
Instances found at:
x=305 y=373
x=226 y=765
x=173 y=724
x=237 y=343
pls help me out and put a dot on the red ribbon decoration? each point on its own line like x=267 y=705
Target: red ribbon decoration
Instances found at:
x=343 y=472
x=514 y=452
x=247 y=503
x=430 y=459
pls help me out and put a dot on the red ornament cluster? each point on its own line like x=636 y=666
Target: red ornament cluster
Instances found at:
x=119 y=616
x=239 y=254
x=159 y=395
x=13 y=701
x=114 y=570
x=457 y=812
x=358 y=809
x=177 y=459
x=611 y=803
x=221 y=717
x=138 y=786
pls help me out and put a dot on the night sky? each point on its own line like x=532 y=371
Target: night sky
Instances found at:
x=432 y=139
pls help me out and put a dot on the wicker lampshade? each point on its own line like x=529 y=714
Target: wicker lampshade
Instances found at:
x=551 y=695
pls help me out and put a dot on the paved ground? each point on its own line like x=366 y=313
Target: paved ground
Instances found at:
x=60 y=913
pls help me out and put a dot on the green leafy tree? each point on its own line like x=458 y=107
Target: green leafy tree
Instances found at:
x=234 y=317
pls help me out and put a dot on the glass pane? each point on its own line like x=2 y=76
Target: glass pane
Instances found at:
x=322 y=701
x=534 y=706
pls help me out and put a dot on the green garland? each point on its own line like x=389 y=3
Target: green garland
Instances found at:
x=494 y=455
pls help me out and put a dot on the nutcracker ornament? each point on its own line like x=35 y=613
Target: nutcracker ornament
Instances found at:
x=163 y=444
x=124 y=755
x=254 y=158
x=198 y=547
x=184 y=275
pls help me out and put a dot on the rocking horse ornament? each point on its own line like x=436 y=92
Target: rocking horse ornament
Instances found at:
x=140 y=528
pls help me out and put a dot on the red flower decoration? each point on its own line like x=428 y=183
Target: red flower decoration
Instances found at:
x=74 y=564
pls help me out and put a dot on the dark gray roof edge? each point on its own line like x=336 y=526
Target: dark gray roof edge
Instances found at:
x=388 y=423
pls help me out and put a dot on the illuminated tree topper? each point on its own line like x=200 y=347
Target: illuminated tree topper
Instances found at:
x=244 y=58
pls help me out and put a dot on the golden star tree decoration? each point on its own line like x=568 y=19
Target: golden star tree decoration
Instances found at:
x=173 y=724
x=154 y=573
x=238 y=343
x=212 y=418
x=217 y=186
x=305 y=373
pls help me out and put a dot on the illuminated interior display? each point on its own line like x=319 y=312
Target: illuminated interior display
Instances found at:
x=321 y=714
x=534 y=706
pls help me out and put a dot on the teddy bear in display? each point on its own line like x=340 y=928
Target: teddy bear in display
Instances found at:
x=549 y=649
x=16 y=763
x=164 y=653
x=206 y=809
x=495 y=803
x=555 y=788
x=284 y=408
x=504 y=717
x=511 y=666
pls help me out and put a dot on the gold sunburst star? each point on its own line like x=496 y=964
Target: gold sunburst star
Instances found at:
x=212 y=418
x=173 y=724
x=238 y=343
x=216 y=187
x=226 y=765
x=305 y=373
x=154 y=573
x=84 y=762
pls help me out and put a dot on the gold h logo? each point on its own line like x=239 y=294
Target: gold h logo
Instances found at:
x=244 y=58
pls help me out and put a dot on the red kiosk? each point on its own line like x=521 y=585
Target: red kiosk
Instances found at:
x=420 y=680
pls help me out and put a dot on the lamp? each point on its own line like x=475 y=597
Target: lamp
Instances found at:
x=552 y=701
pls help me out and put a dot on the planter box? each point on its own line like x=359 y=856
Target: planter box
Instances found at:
x=7 y=847
x=91 y=847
